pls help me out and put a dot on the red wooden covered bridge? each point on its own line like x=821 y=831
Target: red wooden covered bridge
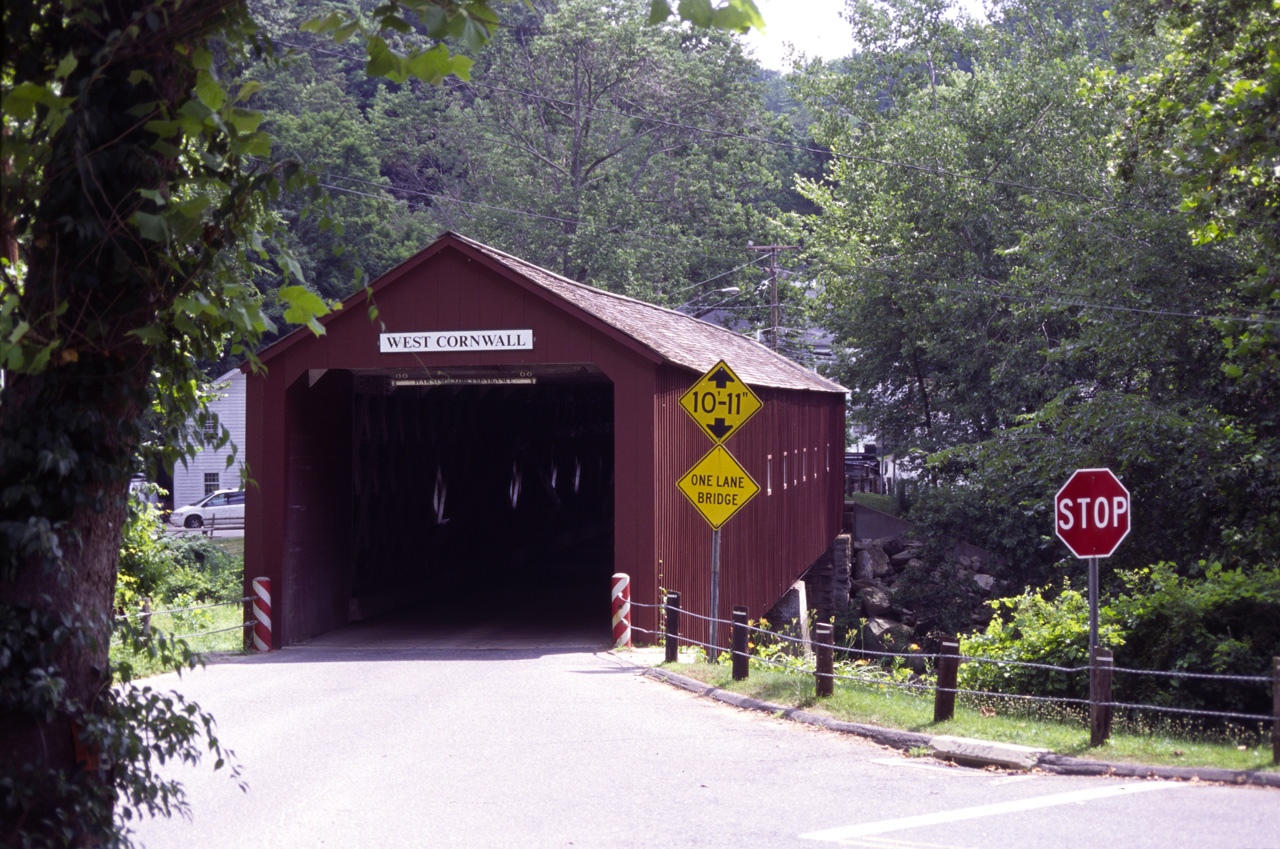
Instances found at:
x=501 y=431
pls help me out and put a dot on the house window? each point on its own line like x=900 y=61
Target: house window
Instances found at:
x=210 y=483
x=210 y=426
x=768 y=476
x=804 y=466
x=784 y=469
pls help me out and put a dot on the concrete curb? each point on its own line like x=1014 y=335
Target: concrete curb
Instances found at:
x=968 y=752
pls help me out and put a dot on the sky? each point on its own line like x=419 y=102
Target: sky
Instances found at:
x=813 y=26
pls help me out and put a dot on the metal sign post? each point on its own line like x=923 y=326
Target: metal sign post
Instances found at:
x=1092 y=515
x=713 y=652
x=1093 y=607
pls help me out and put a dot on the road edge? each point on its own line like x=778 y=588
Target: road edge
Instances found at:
x=966 y=751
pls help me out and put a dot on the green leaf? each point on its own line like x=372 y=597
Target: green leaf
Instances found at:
x=244 y=120
x=151 y=227
x=659 y=11
x=696 y=12
x=303 y=306
x=66 y=66
x=210 y=91
x=329 y=22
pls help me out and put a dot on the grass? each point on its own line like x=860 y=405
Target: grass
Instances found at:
x=195 y=622
x=1043 y=725
x=883 y=503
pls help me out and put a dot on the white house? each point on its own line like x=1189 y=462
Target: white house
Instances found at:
x=208 y=471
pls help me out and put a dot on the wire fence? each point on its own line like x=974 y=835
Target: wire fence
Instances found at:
x=1099 y=700
x=146 y=615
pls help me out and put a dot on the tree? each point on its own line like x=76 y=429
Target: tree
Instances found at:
x=1009 y=307
x=615 y=148
x=134 y=209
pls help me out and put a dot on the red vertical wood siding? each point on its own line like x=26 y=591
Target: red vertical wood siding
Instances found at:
x=771 y=541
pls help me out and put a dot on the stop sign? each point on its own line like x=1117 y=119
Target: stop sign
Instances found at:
x=1091 y=513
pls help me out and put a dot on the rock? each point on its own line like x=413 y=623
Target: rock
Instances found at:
x=875 y=602
x=888 y=634
x=902 y=557
x=985 y=582
x=863 y=569
x=890 y=545
x=872 y=562
x=880 y=562
x=919 y=564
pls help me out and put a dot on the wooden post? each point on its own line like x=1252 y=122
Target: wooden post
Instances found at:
x=146 y=620
x=1275 y=710
x=1100 y=697
x=741 y=658
x=825 y=669
x=944 y=703
x=672 y=639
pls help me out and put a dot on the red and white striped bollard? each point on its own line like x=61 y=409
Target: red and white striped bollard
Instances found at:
x=621 y=595
x=262 y=614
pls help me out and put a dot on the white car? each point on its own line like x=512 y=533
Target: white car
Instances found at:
x=225 y=505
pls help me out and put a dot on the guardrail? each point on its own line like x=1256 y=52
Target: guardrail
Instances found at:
x=947 y=664
x=208 y=528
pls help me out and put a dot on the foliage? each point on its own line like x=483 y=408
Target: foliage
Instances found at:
x=1218 y=620
x=169 y=568
x=1035 y=629
x=1013 y=285
x=122 y=741
x=1206 y=112
x=615 y=151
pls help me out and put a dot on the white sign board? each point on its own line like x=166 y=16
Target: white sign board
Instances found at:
x=442 y=341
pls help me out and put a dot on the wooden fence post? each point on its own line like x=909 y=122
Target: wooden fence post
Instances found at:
x=1275 y=710
x=824 y=671
x=1100 y=697
x=672 y=640
x=146 y=620
x=944 y=703
x=741 y=658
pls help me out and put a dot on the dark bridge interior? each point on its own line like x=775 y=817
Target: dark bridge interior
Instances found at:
x=484 y=493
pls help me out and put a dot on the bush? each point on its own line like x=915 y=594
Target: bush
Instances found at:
x=165 y=568
x=1218 y=620
x=1035 y=629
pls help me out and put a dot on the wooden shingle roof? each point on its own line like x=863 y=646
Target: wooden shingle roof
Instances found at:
x=678 y=338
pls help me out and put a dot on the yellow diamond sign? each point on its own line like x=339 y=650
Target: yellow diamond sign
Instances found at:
x=717 y=486
x=720 y=403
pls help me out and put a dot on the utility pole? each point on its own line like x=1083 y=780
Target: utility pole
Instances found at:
x=773 y=286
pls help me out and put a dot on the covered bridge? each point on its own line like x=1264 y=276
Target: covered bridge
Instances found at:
x=499 y=431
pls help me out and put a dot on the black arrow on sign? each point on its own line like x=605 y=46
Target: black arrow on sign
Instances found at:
x=720 y=429
x=720 y=378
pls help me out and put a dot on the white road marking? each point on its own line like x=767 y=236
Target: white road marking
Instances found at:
x=836 y=835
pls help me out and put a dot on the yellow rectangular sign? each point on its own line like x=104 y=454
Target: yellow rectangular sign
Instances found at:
x=717 y=486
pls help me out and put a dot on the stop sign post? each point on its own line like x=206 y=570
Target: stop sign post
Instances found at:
x=1091 y=515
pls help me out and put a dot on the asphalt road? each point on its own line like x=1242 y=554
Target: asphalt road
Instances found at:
x=389 y=736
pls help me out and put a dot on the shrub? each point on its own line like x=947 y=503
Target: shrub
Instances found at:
x=164 y=567
x=1031 y=628
x=1218 y=620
